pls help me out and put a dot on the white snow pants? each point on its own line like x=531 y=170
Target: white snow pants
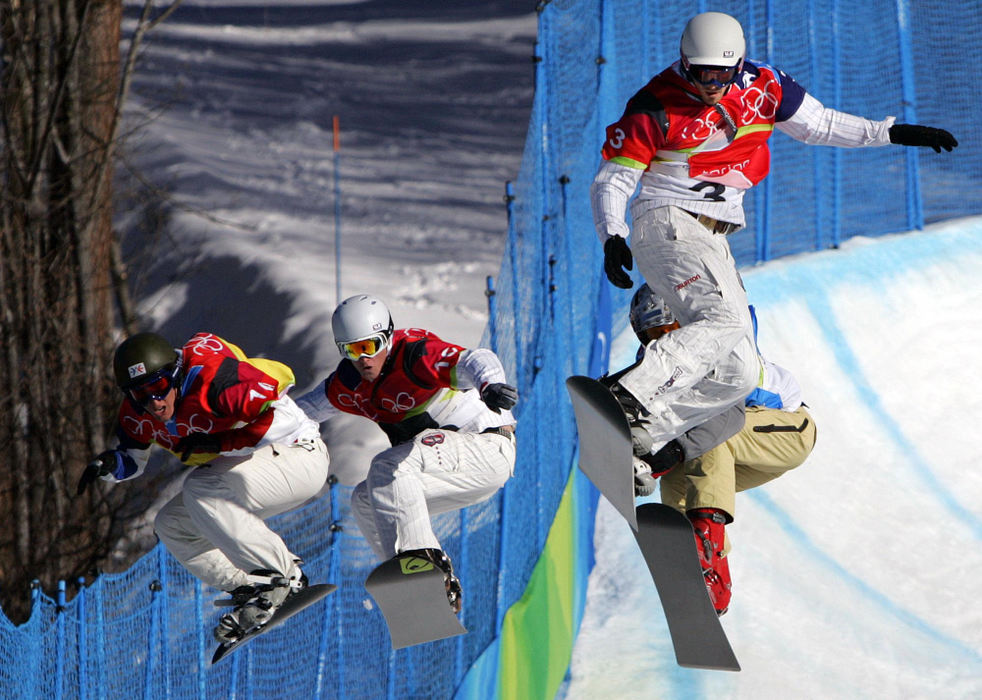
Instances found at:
x=436 y=472
x=215 y=527
x=711 y=362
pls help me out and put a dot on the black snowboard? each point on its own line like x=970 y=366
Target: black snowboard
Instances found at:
x=664 y=535
x=411 y=594
x=606 y=456
x=667 y=542
x=291 y=606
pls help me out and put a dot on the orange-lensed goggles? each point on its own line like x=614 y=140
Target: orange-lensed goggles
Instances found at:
x=656 y=332
x=366 y=347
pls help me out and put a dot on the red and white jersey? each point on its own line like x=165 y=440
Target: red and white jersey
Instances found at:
x=425 y=382
x=243 y=400
x=703 y=158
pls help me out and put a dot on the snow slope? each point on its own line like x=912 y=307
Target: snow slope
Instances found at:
x=855 y=574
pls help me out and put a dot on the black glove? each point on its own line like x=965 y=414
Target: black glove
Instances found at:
x=198 y=442
x=917 y=135
x=499 y=396
x=617 y=258
x=98 y=467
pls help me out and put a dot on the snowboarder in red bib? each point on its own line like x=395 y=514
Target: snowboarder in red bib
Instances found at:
x=695 y=139
x=445 y=409
x=257 y=454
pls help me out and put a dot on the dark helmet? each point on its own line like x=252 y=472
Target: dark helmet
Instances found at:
x=648 y=310
x=650 y=316
x=143 y=356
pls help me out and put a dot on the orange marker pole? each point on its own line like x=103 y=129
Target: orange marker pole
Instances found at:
x=337 y=208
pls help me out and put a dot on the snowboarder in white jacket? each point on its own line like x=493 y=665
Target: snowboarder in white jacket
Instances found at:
x=695 y=139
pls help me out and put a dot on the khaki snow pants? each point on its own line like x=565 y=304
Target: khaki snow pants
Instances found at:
x=772 y=442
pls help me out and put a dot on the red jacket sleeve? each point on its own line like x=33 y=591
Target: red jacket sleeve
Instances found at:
x=245 y=396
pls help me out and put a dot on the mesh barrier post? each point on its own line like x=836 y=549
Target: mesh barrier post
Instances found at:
x=816 y=156
x=82 y=640
x=100 y=637
x=511 y=249
x=489 y=292
x=60 y=657
x=915 y=214
x=836 y=153
x=153 y=634
x=203 y=660
x=160 y=598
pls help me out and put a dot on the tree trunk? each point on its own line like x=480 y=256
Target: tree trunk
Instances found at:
x=60 y=84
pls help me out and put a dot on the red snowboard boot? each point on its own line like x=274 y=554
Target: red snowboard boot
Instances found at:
x=708 y=524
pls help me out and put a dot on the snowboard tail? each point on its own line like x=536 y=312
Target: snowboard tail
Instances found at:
x=412 y=596
x=294 y=604
x=667 y=541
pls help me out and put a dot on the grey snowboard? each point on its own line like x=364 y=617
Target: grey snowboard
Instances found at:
x=607 y=457
x=667 y=542
x=291 y=606
x=664 y=536
x=411 y=594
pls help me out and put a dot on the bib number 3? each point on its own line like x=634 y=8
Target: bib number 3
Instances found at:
x=715 y=193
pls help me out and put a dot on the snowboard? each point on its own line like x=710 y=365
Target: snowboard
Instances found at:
x=291 y=606
x=664 y=536
x=666 y=539
x=411 y=594
x=606 y=457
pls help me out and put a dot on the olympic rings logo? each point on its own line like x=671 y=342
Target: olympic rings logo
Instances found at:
x=759 y=103
x=205 y=344
x=351 y=400
x=144 y=428
x=206 y=424
x=358 y=403
x=402 y=402
x=140 y=426
x=701 y=128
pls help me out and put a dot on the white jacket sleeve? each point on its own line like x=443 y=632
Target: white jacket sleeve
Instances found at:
x=479 y=367
x=290 y=424
x=612 y=187
x=316 y=405
x=817 y=125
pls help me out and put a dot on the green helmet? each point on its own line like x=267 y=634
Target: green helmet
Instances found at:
x=142 y=356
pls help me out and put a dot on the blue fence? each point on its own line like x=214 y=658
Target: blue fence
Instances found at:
x=145 y=632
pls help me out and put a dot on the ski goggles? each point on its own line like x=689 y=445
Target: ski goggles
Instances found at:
x=712 y=76
x=366 y=347
x=155 y=388
x=656 y=332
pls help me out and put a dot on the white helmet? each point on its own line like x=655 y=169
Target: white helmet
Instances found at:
x=712 y=39
x=359 y=317
x=648 y=310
